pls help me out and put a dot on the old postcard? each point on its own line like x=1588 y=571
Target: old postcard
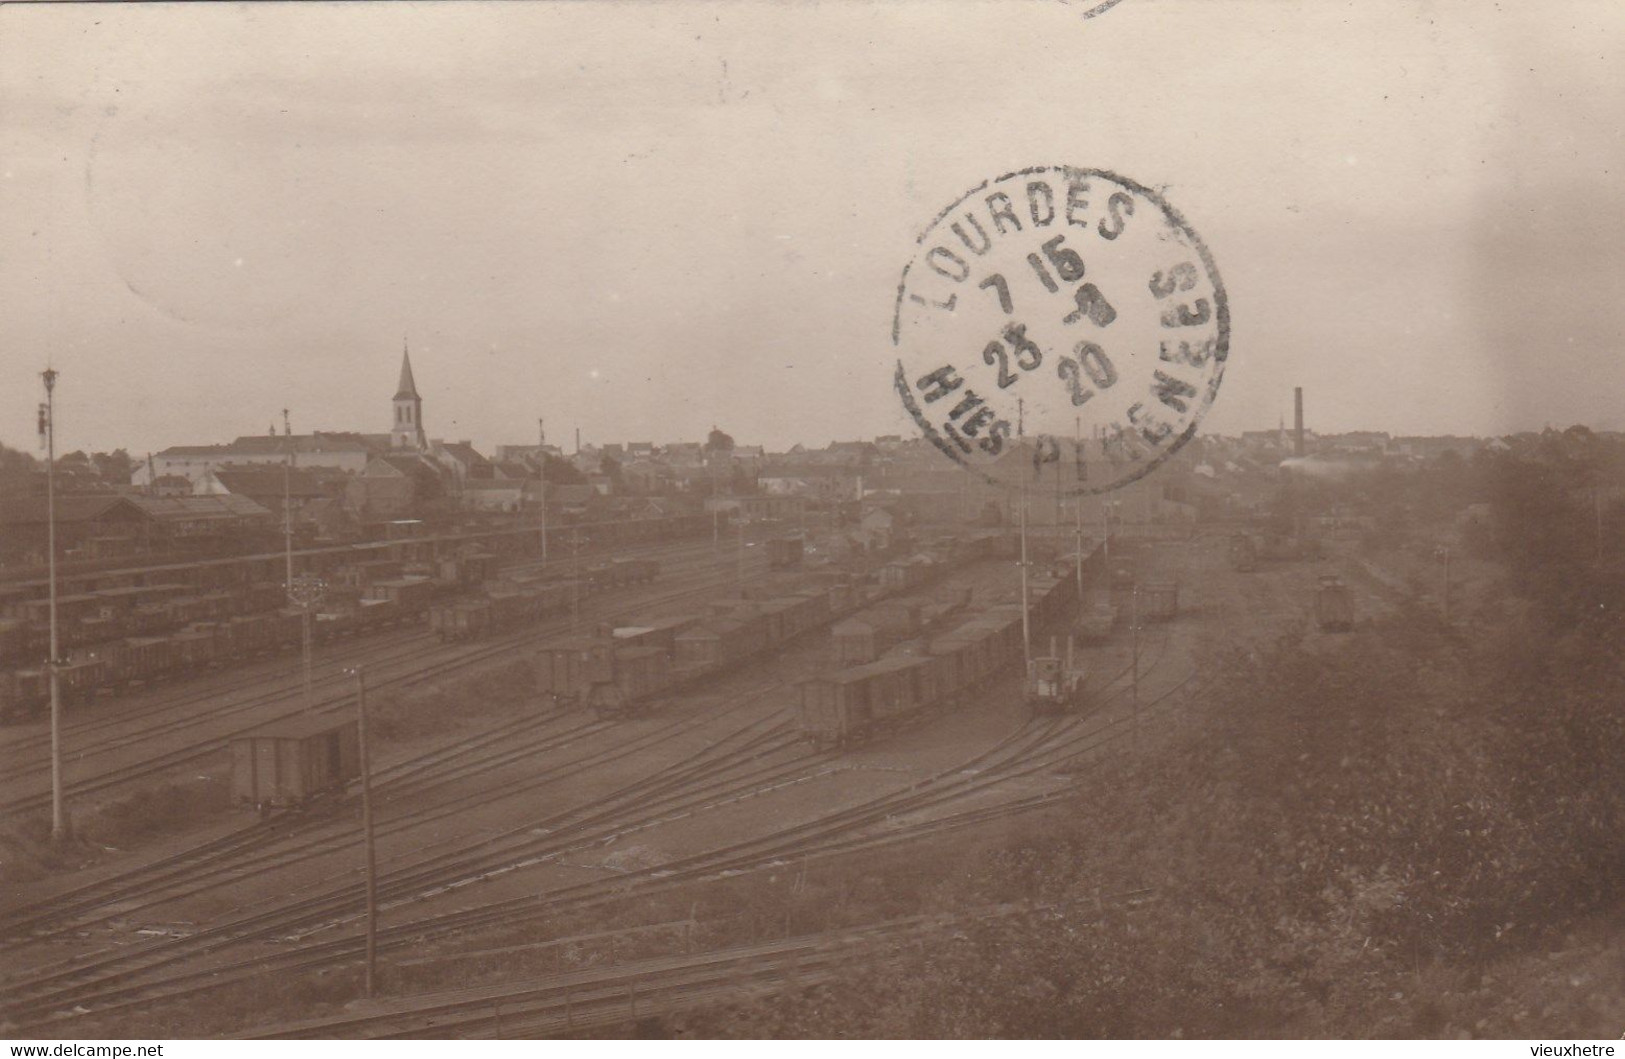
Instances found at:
x=822 y=520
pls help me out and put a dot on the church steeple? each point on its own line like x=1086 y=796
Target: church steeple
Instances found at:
x=407 y=387
x=407 y=431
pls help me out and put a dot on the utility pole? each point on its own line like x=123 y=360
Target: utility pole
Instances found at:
x=741 y=574
x=1444 y=557
x=1077 y=504
x=366 y=830
x=541 y=460
x=1136 y=678
x=1596 y=498
x=59 y=826
x=1026 y=621
x=575 y=578
x=287 y=494
x=303 y=592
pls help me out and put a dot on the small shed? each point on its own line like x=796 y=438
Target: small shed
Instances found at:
x=288 y=762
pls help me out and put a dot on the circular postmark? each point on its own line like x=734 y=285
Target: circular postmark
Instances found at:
x=1060 y=315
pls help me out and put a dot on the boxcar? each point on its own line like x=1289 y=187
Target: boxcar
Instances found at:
x=567 y=669
x=848 y=706
x=412 y=594
x=639 y=675
x=461 y=619
x=784 y=552
x=855 y=642
x=661 y=634
x=27 y=692
x=289 y=762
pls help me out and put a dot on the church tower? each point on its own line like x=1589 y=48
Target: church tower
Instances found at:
x=407 y=432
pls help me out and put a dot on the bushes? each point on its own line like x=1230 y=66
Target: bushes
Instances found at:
x=1343 y=849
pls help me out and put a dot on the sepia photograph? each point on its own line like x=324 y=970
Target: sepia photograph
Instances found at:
x=835 y=519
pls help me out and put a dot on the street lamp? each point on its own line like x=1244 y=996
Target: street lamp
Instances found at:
x=59 y=828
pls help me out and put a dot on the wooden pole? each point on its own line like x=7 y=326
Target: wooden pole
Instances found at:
x=1026 y=627
x=367 y=832
x=59 y=824
x=1136 y=682
x=541 y=460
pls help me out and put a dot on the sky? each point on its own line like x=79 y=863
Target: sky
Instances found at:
x=643 y=219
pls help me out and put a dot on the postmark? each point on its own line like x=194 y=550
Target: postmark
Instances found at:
x=1060 y=315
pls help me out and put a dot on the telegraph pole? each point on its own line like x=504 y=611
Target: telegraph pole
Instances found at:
x=1077 y=503
x=1026 y=621
x=287 y=499
x=1447 y=586
x=367 y=831
x=575 y=579
x=1136 y=679
x=303 y=592
x=541 y=432
x=59 y=826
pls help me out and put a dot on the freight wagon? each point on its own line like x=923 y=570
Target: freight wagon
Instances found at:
x=290 y=762
x=785 y=552
x=623 y=671
x=567 y=669
x=841 y=708
x=26 y=693
x=860 y=702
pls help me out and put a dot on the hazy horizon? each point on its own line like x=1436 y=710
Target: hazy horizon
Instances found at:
x=642 y=219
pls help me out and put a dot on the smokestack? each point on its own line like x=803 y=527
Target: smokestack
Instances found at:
x=1297 y=422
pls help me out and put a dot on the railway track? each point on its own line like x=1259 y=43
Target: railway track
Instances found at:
x=608 y=996
x=78 y=724
x=1034 y=747
x=787 y=844
x=574 y=829
x=419 y=668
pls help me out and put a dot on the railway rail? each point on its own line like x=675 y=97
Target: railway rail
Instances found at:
x=790 y=844
x=133 y=978
x=422 y=665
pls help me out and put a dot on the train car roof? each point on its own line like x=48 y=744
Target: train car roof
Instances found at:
x=889 y=664
x=298 y=727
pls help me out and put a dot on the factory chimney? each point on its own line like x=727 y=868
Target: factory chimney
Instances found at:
x=1297 y=422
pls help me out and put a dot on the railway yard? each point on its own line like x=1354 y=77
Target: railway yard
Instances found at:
x=543 y=861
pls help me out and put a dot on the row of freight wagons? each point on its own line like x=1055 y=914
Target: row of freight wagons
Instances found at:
x=115 y=666
x=867 y=635
x=95 y=617
x=519 y=601
x=624 y=671
x=847 y=706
